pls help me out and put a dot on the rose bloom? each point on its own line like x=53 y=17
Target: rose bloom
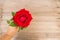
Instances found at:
x=22 y=18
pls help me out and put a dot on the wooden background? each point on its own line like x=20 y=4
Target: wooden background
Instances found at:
x=46 y=19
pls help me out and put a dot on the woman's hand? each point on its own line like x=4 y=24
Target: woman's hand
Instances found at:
x=11 y=31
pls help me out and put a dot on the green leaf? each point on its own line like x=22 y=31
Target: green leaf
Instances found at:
x=8 y=21
x=13 y=13
x=12 y=24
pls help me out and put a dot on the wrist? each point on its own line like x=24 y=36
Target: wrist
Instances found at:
x=7 y=35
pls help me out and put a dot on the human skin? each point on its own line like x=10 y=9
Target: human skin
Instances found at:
x=11 y=31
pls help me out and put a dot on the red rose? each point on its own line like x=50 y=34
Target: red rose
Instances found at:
x=22 y=18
